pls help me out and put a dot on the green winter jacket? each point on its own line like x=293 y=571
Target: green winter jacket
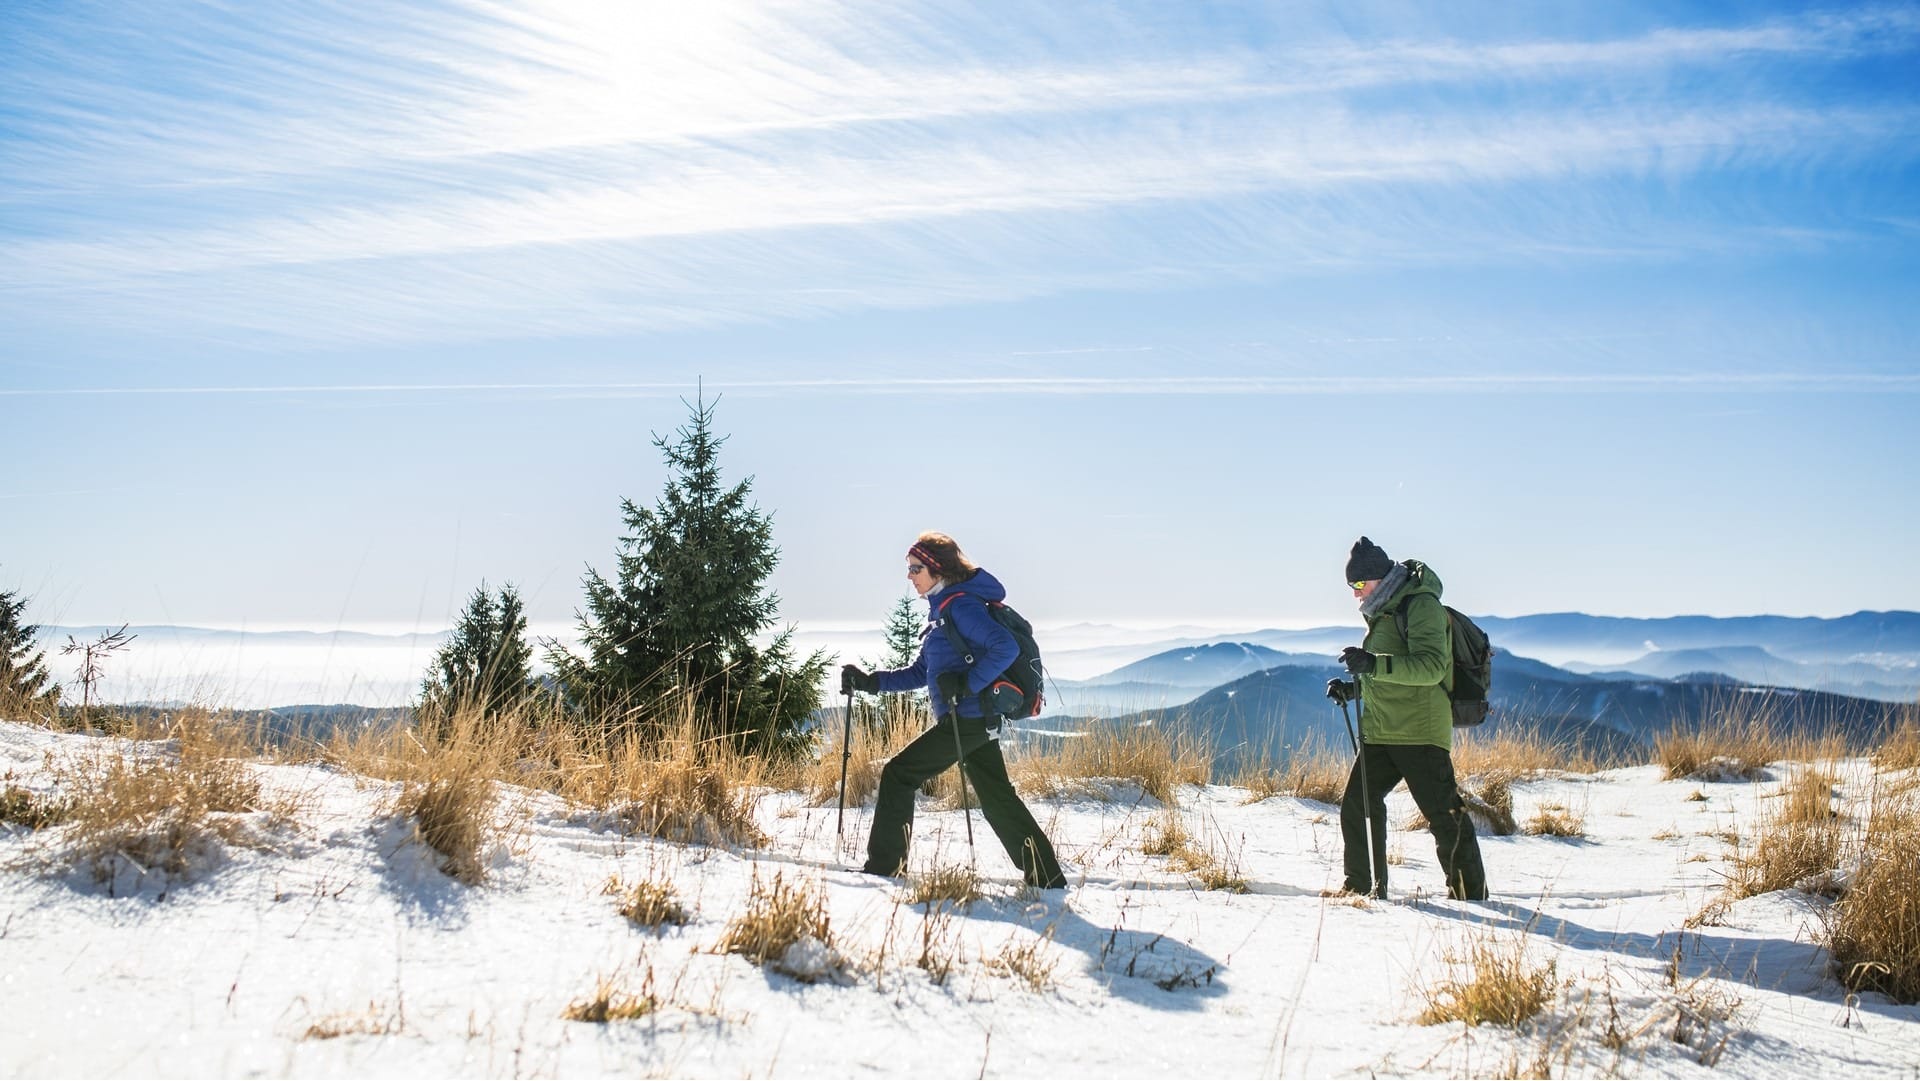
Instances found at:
x=1404 y=700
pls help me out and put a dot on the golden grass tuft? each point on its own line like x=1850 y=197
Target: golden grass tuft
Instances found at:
x=1491 y=983
x=1155 y=758
x=35 y=810
x=1516 y=751
x=1556 y=820
x=945 y=885
x=445 y=769
x=939 y=943
x=373 y=1021
x=879 y=732
x=1901 y=747
x=1313 y=771
x=1165 y=834
x=666 y=778
x=1808 y=798
x=1734 y=742
x=1798 y=839
x=1207 y=860
x=611 y=1002
x=1874 y=929
x=159 y=812
x=1032 y=961
x=1491 y=797
x=650 y=902
x=778 y=915
x=673 y=779
x=1212 y=870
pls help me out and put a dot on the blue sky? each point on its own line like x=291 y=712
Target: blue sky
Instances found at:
x=318 y=314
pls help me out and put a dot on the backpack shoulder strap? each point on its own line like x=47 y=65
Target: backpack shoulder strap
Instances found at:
x=1400 y=614
x=954 y=639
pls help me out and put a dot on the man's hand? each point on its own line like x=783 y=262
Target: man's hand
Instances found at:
x=1357 y=660
x=1342 y=691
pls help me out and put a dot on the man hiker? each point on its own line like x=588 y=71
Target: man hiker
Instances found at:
x=1400 y=675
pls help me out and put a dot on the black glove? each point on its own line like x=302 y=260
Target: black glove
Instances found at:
x=1357 y=660
x=853 y=679
x=952 y=685
x=1342 y=691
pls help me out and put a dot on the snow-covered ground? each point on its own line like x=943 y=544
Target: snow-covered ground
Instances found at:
x=341 y=922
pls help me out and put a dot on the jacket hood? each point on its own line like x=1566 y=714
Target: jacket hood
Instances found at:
x=981 y=585
x=1420 y=579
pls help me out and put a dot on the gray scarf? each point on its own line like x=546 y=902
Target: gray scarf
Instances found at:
x=1382 y=593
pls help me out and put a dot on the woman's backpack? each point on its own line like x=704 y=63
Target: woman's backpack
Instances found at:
x=1018 y=692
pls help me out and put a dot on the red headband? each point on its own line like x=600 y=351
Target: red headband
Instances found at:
x=924 y=556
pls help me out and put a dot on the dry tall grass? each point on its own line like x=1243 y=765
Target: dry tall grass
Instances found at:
x=164 y=811
x=1312 y=771
x=1901 y=749
x=1030 y=960
x=1874 y=929
x=21 y=806
x=1799 y=838
x=1732 y=743
x=879 y=732
x=446 y=773
x=1514 y=751
x=1491 y=981
x=610 y=1001
x=1556 y=820
x=779 y=914
x=956 y=885
x=1151 y=757
x=1807 y=798
x=1490 y=797
x=1156 y=759
x=674 y=781
x=649 y=902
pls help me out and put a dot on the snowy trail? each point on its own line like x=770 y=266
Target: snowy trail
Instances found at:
x=342 y=922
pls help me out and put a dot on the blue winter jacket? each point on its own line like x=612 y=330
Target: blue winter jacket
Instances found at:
x=994 y=649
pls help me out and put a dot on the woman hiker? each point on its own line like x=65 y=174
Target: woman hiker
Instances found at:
x=957 y=590
x=1406 y=724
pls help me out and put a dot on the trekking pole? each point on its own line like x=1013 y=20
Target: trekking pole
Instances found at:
x=1366 y=798
x=960 y=763
x=846 y=752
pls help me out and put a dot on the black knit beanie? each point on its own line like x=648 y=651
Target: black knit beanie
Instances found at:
x=1367 y=562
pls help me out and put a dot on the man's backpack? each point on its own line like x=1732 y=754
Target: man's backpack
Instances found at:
x=1472 y=664
x=1018 y=692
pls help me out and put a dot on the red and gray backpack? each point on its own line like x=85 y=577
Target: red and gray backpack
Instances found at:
x=1017 y=692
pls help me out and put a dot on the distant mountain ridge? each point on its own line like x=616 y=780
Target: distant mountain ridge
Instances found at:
x=1866 y=654
x=1625 y=680
x=1894 y=635
x=1271 y=712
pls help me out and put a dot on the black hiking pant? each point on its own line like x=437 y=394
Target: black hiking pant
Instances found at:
x=924 y=759
x=1428 y=771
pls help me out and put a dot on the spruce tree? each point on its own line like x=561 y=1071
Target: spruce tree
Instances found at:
x=23 y=668
x=686 y=605
x=905 y=626
x=484 y=664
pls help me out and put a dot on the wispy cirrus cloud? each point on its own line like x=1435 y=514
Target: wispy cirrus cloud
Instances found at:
x=1777 y=382
x=486 y=169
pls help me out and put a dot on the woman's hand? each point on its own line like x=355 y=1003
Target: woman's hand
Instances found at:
x=952 y=684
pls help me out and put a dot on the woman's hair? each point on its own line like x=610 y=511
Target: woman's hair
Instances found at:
x=942 y=556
